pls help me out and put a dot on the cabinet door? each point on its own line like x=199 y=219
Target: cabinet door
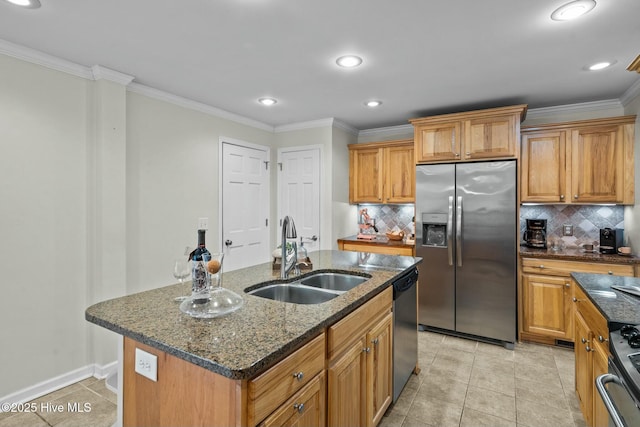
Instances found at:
x=379 y=370
x=347 y=388
x=490 y=137
x=400 y=172
x=597 y=165
x=600 y=367
x=547 y=307
x=543 y=167
x=438 y=142
x=366 y=175
x=583 y=361
x=306 y=408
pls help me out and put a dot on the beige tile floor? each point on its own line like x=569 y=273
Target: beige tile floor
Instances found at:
x=101 y=405
x=462 y=383
x=467 y=383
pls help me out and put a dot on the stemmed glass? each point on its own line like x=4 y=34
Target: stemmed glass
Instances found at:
x=181 y=270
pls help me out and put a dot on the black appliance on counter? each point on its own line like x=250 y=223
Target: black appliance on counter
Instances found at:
x=620 y=388
x=610 y=240
x=535 y=236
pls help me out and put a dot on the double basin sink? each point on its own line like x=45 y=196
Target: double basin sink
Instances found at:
x=313 y=289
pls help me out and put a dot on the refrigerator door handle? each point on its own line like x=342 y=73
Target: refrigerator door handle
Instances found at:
x=459 y=231
x=450 y=231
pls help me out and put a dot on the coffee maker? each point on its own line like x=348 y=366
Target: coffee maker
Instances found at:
x=535 y=236
x=610 y=240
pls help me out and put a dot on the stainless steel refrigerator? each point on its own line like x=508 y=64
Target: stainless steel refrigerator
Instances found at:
x=466 y=233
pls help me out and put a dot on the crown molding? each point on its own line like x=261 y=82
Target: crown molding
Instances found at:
x=197 y=106
x=312 y=124
x=103 y=73
x=44 y=59
x=582 y=107
x=631 y=93
x=386 y=132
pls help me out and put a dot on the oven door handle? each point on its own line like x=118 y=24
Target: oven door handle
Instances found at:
x=600 y=385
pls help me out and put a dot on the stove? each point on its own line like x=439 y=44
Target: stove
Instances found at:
x=625 y=350
x=620 y=388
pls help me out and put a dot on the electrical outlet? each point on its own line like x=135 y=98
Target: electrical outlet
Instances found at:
x=147 y=364
x=203 y=223
x=567 y=230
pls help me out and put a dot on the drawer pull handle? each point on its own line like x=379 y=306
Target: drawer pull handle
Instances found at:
x=298 y=375
x=588 y=349
x=299 y=407
x=562 y=197
x=584 y=340
x=367 y=349
x=610 y=273
x=375 y=341
x=575 y=196
x=567 y=285
x=541 y=266
x=602 y=339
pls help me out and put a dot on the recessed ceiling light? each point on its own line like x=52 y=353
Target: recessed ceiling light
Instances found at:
x=373 y=104
x=349 y=61
x=29 y=4
x=600 y=65
x=572 y=10
x=267 y=101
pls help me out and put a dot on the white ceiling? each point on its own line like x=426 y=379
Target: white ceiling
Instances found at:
x=421 y=57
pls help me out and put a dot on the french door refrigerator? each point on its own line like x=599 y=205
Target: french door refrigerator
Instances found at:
x=466 y=233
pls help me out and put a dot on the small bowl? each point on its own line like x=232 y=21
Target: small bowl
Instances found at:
x=624 y=250
x=392 y=236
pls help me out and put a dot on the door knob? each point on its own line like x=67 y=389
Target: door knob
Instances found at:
x=228 y=242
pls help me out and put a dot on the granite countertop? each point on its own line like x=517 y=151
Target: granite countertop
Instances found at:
x=380 y=239
x=618 y=308
x=259 y=334
x=577 y=254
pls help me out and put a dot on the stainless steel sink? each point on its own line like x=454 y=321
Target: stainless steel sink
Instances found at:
x=314 y=289
x=334 y=281
x=295 y=293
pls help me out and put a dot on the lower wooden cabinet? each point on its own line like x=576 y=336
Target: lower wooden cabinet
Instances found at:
x=546 y=311
x=591 y=358
x=360 y=373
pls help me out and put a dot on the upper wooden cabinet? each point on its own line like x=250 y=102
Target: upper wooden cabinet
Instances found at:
x=475 y=135
x=589 y=161
x=382 y=172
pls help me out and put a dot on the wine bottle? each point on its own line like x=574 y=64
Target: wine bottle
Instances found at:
x=200 y=256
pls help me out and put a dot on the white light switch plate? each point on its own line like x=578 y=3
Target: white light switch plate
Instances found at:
x=147 y=364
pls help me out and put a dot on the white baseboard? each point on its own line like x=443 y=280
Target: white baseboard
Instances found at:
x=45 y=387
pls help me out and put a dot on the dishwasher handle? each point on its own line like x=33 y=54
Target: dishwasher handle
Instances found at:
x=405 y=282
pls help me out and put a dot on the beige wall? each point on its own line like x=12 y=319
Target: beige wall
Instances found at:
x=43 y=217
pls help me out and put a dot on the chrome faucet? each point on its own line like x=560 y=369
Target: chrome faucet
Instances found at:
x=288 y=232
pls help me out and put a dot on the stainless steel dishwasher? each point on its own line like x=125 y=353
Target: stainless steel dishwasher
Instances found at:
x=405 y=330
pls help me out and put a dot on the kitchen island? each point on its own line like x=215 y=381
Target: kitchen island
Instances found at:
x=236 y=350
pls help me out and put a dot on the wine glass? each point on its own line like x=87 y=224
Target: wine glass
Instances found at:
x=181 y=270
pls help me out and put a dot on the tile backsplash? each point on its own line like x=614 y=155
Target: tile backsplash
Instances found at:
x=587 y=220
x=389 y=216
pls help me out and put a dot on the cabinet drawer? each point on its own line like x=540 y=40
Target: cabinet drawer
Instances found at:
x=306 y=407
x=552 y=267
x=341 y=334
x=274 y=386
x=377 y=249
x=594 y=319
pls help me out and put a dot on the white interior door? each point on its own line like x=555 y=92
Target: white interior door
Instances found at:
x=245 y=205
x=299 y=191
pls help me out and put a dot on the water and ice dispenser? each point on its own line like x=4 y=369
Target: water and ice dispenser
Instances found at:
x=434 y=229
